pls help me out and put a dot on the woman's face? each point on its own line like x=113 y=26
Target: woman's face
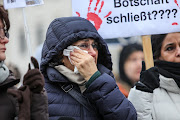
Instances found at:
x=133 y=65
x=88 y=45
x=3 y=41
x=170 y=50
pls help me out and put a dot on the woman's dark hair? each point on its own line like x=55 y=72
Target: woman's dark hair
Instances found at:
x=4 y=17
x=156 y=41
x=124 y=54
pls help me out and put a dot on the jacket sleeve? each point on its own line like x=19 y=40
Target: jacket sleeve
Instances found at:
x=142 y=102
x=39 y=106
x=109 y=101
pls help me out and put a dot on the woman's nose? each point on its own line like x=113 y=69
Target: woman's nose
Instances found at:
x=5 y=40
x=178 y=52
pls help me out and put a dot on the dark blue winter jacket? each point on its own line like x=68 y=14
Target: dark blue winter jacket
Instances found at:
x=102 y=93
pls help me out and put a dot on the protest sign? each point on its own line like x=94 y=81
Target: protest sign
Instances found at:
x=21 y=3
x=125 y=18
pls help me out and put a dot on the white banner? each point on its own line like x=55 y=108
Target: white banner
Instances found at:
x=21 y=3
x=125 y=18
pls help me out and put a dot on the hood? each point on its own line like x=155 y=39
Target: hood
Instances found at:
x=64 y=31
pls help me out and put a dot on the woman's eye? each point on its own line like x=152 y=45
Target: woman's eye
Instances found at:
x=84 y=45
x=134 y=59
x=95 y=46
x=169 y=48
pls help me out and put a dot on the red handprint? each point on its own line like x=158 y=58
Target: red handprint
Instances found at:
x=94 y=17
x=176 y=2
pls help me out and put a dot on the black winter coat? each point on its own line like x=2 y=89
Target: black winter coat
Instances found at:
x=9 y=106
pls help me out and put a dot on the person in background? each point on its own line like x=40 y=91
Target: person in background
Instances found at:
x=157 y=95
x=77 y=67
x=130 y=65
x=28 y=102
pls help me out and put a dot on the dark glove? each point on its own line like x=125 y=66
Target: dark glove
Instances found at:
x=39 y=106
x=149 y=78
x=33 y=78
x=24 y=99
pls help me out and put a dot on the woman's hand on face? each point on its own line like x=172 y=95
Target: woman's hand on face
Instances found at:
x=84 y=62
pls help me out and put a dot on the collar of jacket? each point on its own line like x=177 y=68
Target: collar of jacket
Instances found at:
x=9 y=82
x=55 y=76
x=4 y=72
x=169 y=84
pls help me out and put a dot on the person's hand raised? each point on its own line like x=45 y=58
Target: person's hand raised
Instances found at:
x=84 y=62
x=33 y=78
x=149 y=77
